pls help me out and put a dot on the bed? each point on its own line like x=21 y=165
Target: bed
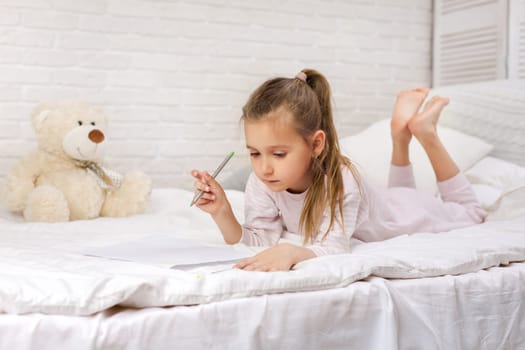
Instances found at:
x=462 y=289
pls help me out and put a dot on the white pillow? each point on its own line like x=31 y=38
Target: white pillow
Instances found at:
x=371 y=151
x=507 y=178
x=498 y=173
x=487 y=195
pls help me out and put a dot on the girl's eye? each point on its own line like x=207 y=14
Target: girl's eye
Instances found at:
x=280 y=155
x=80 y=122
x=254 y=154
x=93 y=123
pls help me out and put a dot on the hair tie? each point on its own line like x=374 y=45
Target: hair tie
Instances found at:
x=301 y=76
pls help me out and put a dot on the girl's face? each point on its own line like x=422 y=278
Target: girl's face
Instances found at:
x=280 y=156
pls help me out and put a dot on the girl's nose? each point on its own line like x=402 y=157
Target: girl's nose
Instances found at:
x=267 y=167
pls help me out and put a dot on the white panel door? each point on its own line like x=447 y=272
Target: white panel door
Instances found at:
x=470 y=41
x=517 y=39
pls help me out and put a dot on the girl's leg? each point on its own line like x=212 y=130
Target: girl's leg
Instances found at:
x=461 y=206
x=407 y=105
x=423 y=127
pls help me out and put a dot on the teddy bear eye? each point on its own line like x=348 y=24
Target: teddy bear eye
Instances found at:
x=80 y=122
x=93 y=123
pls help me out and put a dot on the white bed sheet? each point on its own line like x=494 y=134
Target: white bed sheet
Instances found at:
x=41 y=269
x=53 y=297
x=482 y=310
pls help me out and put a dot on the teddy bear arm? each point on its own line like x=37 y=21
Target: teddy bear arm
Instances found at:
x=21 y=181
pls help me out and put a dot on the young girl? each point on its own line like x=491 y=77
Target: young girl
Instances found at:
x=302 y=185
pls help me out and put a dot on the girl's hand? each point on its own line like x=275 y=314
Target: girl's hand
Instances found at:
x=281 y=257
x=213 y=200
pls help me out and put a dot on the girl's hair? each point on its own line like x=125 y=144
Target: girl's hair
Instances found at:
x=308 y=98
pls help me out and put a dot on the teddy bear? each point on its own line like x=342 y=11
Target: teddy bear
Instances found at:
x=64 y=178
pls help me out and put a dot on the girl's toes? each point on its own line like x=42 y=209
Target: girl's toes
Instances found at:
x=422 y=90
x=432 y=102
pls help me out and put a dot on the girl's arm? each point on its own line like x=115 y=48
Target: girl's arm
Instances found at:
x=227 y=222
x=263 y=225
x=285 y=255
x=215 y=202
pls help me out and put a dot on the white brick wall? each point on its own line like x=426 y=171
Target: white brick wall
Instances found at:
x=173 y=75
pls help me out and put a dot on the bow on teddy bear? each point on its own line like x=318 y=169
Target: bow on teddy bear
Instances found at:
x=65 y=179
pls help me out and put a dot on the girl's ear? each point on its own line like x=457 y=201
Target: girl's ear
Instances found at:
x=318 y=142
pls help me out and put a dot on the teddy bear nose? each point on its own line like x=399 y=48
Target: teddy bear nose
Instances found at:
x=96 y=136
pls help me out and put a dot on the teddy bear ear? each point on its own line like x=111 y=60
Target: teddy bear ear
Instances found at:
x=39 y=118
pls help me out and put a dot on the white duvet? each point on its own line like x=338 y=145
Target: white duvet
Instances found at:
x=42 y=269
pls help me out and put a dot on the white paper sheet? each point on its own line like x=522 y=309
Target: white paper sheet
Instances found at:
x=169 y=251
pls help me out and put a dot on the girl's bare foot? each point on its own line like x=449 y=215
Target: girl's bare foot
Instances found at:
x=407 y=105
x=423 y=124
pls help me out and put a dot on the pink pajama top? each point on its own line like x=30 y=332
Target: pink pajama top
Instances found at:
x=372 y=215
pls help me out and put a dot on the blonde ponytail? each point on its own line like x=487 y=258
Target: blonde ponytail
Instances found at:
x=327 y=189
